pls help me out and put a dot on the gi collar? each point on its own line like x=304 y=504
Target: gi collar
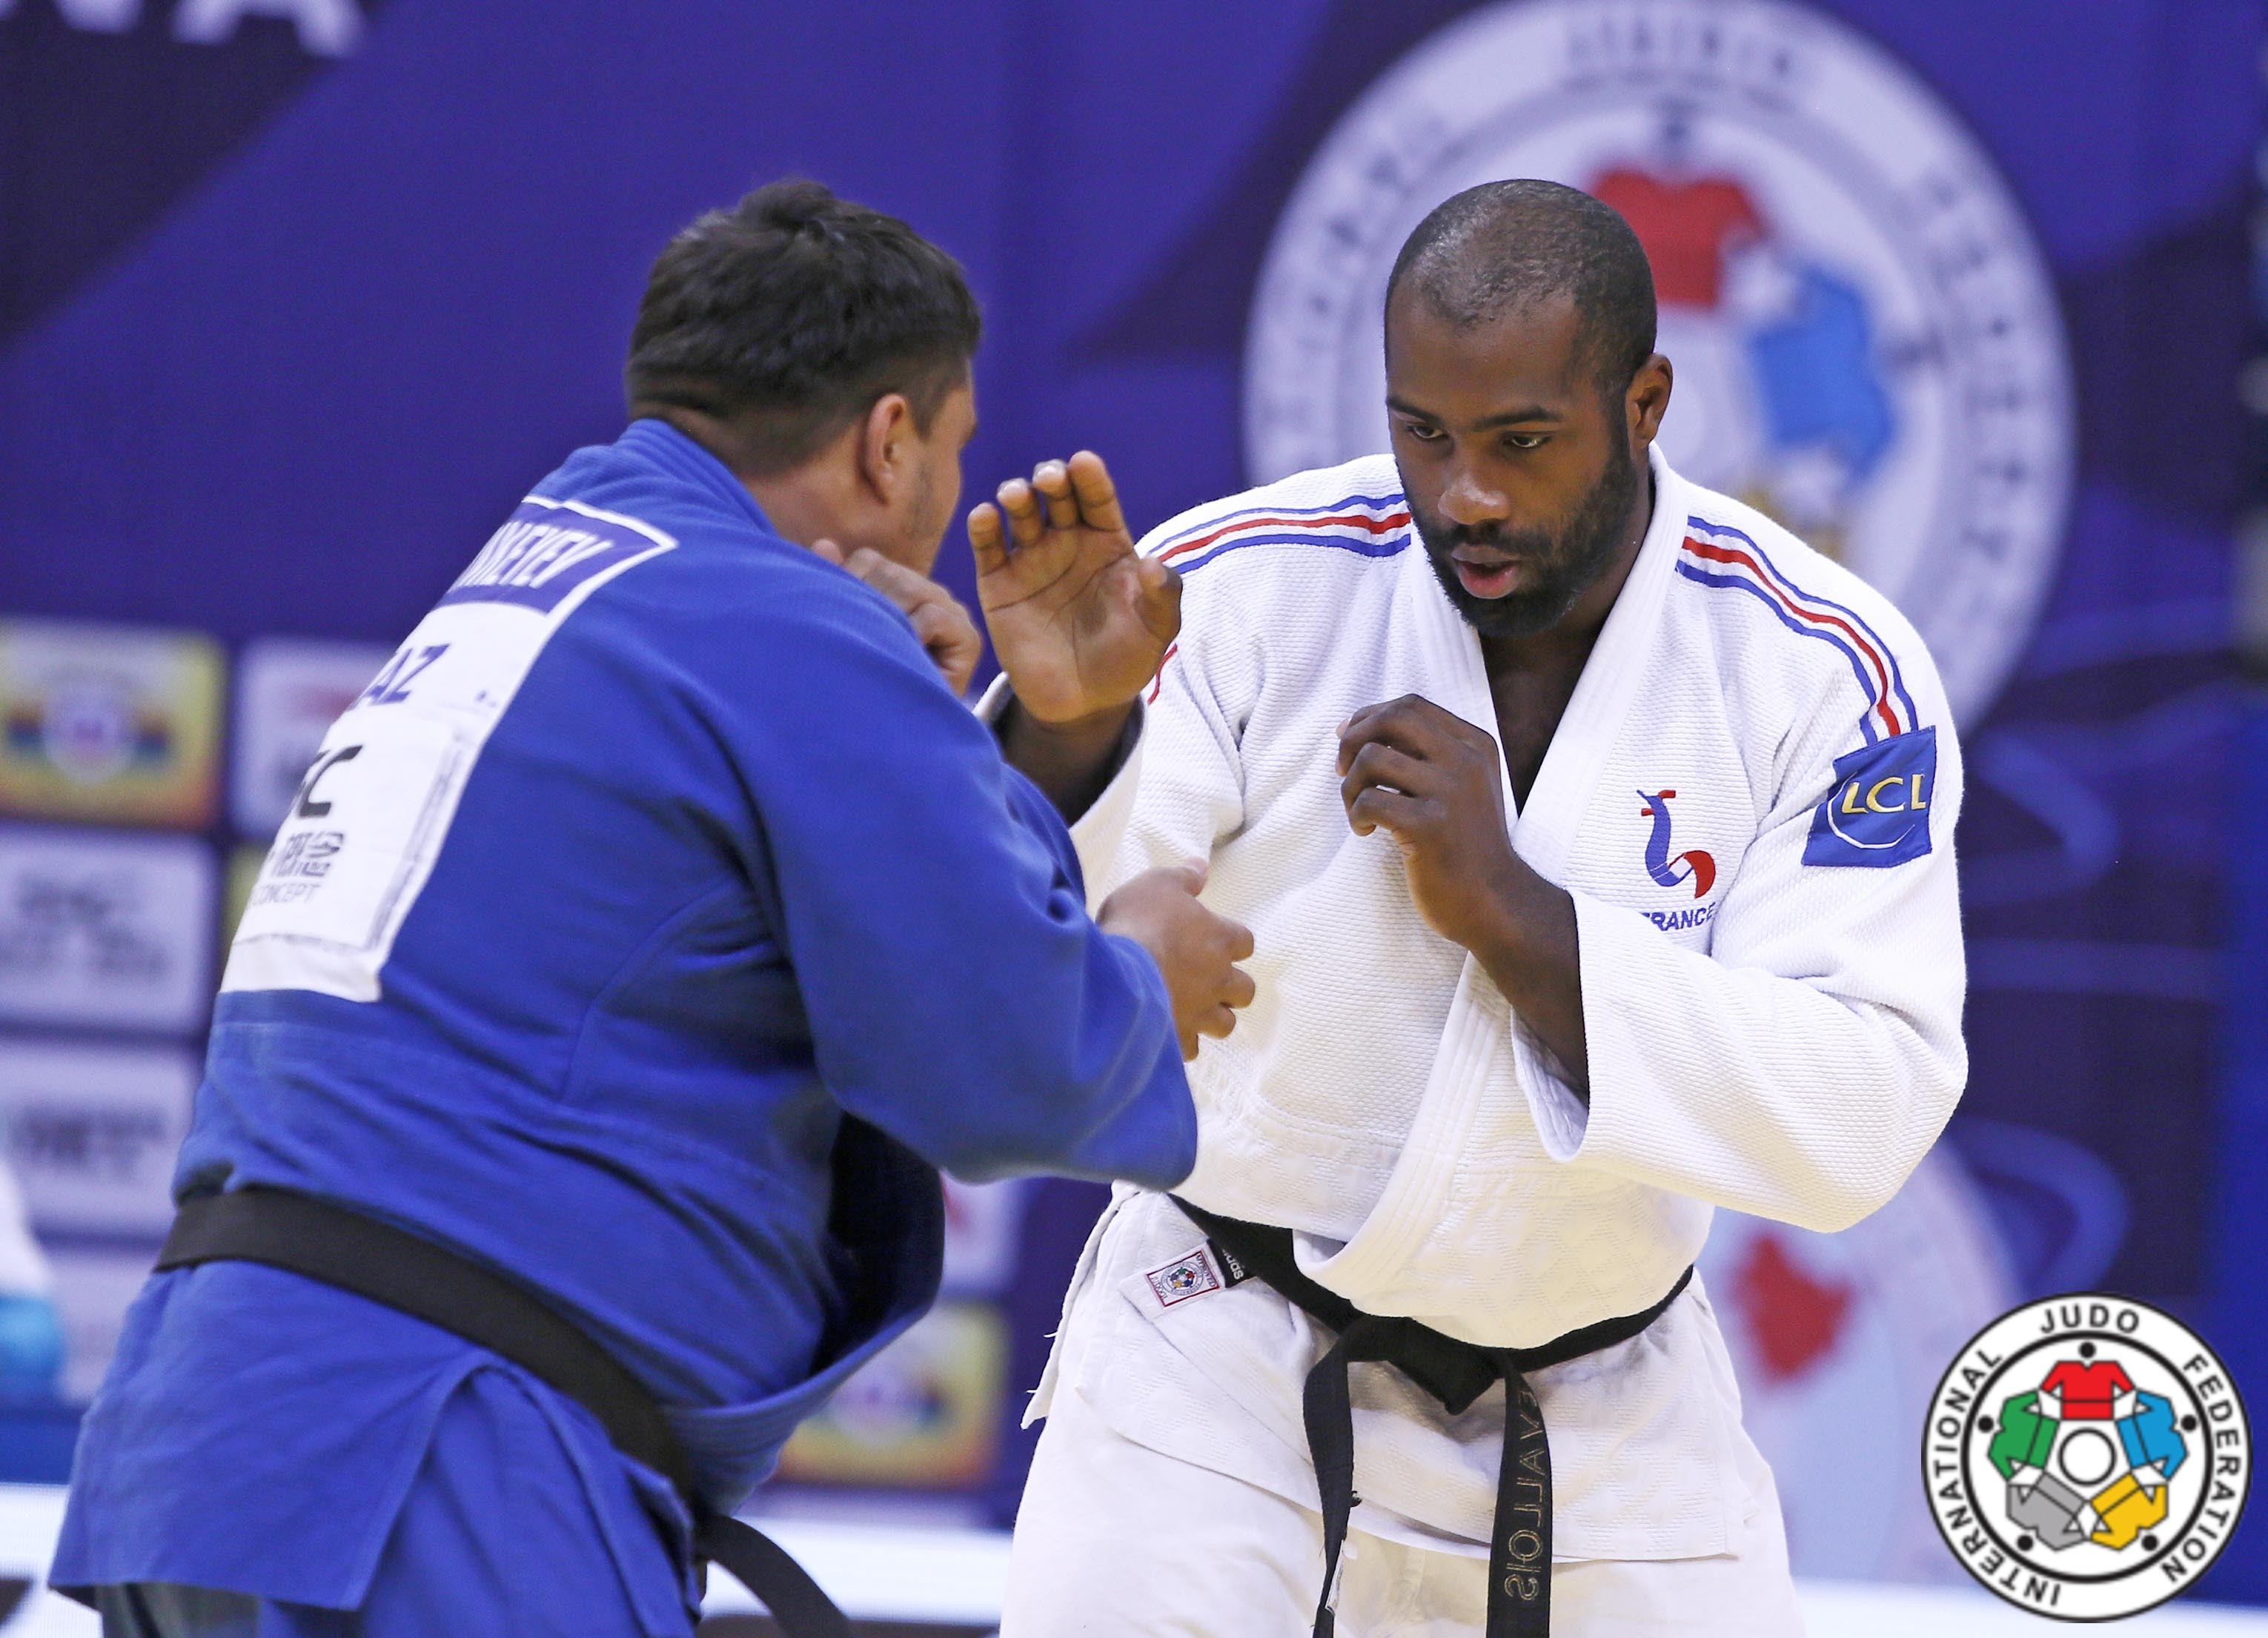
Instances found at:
x=663 y=446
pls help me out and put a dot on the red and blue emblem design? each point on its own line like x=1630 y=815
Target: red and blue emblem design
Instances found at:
x=1669 y=869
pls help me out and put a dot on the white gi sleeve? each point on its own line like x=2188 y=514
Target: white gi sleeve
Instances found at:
x=1179 y=788
x=1801 y=1068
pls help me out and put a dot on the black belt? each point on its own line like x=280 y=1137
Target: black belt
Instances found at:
x=1456 y=1374
x=343 y=1248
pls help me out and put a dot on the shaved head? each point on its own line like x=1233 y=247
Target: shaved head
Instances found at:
x=1522 y=391
x=1505 y=249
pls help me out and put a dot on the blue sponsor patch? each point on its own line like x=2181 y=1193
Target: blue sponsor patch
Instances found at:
x=1878 y=812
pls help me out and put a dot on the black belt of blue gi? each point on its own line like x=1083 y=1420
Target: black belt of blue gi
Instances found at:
x=1456 y=1374
x=373 y=1260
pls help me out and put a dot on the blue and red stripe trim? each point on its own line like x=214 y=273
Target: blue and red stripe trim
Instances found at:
x=1371 y=525
x=1286 y=514
x=1718 y=556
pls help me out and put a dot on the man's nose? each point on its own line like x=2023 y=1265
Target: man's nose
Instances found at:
x=1471 y=503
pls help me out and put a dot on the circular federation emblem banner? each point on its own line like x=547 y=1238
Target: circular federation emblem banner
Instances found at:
x=1866 y=339
x=2087 y=1456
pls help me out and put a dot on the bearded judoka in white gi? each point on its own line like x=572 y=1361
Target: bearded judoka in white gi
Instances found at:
x=1596 y=836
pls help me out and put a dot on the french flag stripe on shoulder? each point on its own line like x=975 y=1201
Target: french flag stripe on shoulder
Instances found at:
x=1371 y=525
x=1718 y=555
x=1370 y=507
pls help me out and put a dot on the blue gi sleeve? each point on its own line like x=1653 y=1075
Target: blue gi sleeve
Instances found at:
x=959 y=997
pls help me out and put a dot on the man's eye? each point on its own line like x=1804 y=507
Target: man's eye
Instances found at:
x=1423 y=434
x=1524 y=440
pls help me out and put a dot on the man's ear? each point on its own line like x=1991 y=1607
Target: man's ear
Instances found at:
x=1649 y=398
x=883 y=452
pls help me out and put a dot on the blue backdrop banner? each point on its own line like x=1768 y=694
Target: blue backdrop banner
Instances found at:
x=298 y=296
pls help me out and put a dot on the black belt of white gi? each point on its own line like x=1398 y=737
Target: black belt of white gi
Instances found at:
x=343 y=1247
x=1456 y=1374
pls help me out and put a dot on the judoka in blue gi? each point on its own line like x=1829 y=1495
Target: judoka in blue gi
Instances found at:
x=651 y=925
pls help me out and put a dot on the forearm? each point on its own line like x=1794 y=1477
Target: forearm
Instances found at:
x=1075 y=1069
x=1071 y=762
x=1806 y=1100
x=1528 y=944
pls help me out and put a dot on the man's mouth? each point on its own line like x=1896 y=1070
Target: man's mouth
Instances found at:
x=1484 y=573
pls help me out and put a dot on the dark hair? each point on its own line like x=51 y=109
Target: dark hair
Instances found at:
x=1503 y=247
x=789 y=314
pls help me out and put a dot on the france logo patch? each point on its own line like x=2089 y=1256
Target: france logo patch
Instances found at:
x=1878 y=812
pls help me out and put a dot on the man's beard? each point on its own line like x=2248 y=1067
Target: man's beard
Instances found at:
x=1561 y=565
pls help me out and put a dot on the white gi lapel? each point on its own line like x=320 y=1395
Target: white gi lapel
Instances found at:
x=1366 y=1269
x=1546 y=831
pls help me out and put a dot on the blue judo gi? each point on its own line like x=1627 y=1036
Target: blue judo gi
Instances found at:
x=656 y=855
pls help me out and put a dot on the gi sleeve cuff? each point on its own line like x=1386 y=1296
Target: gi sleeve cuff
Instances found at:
x=1562 y=1119
x=994 y=701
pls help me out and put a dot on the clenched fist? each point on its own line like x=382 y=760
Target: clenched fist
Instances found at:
x=1196 y=950
x=1434 y=783
x=1431 y=780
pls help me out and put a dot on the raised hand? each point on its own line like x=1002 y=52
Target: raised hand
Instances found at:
x=1196 y=950
x=1080 y=620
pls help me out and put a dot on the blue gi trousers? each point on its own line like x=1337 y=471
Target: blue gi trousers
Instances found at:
x=496 y=1539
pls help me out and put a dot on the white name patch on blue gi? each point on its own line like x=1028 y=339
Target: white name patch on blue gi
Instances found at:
x=546 y=550
x=1877 y=812
x=370 y=818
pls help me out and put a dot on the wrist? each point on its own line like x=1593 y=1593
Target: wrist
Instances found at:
x=1516 y=917
x=1071 y=761
x=1074 y=741
x=1087 y=726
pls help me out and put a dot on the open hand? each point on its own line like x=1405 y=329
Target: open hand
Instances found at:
x=939 y=620
x=1196 y=950
x=1080 y=620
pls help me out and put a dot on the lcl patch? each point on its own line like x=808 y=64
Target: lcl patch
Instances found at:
x=1877 y=813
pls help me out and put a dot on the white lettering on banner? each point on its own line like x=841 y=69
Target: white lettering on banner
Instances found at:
x=104 y=929
x=370 y=817
x=92 y=1132
x=327 y=28
x=97 y=17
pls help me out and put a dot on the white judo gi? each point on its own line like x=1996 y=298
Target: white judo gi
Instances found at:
x=1751 y=798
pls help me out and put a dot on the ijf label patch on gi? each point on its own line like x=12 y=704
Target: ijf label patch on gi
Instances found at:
x=1189 y=1275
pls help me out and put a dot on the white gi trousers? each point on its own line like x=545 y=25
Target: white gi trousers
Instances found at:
x=1115 y=1540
